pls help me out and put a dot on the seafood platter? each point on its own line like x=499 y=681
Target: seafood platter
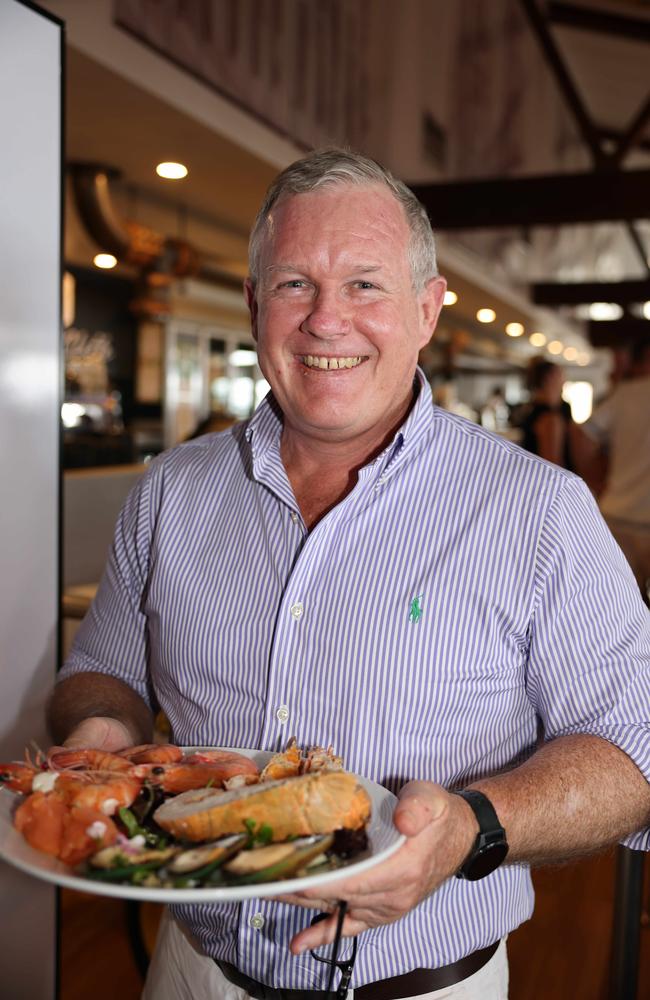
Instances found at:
x=168 y=824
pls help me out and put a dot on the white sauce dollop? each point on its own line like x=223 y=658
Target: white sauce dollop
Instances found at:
x=44 y=781
x=96 y=830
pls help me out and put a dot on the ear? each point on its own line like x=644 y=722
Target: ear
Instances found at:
x=251 y=302
x=430 y=301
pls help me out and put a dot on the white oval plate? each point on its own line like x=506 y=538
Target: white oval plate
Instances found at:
x=383 y=838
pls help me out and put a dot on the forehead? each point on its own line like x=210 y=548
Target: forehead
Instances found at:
x=363 y=217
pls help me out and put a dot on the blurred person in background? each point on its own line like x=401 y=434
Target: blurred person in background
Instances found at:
x=495 y=414
x=548 y=429
x=620 y=431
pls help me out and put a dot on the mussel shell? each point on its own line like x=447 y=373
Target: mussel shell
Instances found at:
x=205 y=854
x=276 y=861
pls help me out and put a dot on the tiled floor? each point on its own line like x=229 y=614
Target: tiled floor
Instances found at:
x=563 y=953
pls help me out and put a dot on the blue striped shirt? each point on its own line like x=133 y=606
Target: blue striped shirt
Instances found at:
x=462 y=591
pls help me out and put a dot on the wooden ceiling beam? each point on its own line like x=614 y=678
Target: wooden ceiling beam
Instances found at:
x=591 y=19
x=618 y=332
x=573 y=293
x=551 y=200
x=540 y=28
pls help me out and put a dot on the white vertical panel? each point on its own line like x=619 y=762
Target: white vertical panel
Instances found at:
x=30 y=185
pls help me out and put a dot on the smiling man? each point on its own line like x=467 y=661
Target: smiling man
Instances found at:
x=360 y=568
x=339 y=319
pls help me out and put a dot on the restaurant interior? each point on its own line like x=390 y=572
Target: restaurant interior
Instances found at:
x=524 y=128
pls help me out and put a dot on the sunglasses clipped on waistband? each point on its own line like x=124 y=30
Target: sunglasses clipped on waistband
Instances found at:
x=345 y=966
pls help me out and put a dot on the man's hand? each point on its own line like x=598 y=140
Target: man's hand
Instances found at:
x=92 y=709
x=440 y=829
x=101 y=733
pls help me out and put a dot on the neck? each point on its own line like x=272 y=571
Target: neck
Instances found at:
x=322 y=472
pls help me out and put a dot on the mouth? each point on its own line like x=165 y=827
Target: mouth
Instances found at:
x=330 y=364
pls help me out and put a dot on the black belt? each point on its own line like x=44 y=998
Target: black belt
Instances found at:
x=411 y=984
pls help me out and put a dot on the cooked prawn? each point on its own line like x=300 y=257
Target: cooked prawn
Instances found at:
x=40 y=820
x=293 y=761
x=18 y=775
x=68 y=832
x=153 y=753
x=229 y=757
x=105 y=792
x=283 y=765
x=85 y=831
x=182 y=777
x=61 y=758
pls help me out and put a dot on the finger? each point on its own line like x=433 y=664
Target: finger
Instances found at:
x=310 y=903
x=420 y=803
x=323 y=933
x=101 y=733
x=389 y=877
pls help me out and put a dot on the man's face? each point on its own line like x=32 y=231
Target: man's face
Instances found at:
x=337 y=323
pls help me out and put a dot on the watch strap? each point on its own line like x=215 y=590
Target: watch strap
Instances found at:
x=491 y=846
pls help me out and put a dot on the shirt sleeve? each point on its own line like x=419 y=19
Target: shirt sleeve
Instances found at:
x=589 y=654
x=112 y=638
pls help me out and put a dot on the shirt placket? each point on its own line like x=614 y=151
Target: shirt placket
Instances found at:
x=256 y=931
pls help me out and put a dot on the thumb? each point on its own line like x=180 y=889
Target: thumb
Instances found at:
x=100 y=733
x=420 y=803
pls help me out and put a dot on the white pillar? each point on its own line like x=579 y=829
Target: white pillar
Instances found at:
x=30 y=368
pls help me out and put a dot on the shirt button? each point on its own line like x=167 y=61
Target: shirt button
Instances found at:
x=294 y=517
x=282 y=714
x=296 y=610
x=257 y=921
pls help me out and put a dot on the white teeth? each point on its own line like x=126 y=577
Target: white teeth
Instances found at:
x=330 y=364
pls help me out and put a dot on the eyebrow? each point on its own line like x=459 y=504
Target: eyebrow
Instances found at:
x=290 y=268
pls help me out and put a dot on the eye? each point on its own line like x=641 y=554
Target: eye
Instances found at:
x=294 y=283
x=364 y=286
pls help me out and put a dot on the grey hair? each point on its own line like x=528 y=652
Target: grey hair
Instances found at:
x=339 y=166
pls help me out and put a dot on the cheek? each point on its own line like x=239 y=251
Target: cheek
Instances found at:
x=392 y=330
x=278 y=319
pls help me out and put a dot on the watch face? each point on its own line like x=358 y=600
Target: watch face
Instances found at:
x=490 y=847
x=485 y=861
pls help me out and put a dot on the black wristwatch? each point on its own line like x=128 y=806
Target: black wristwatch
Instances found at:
x=490 y=847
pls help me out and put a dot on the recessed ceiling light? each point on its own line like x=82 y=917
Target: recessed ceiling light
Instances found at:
x=584 y=358
x=570 y=353
x=104 y=260
x=514 y=329
x=646 y=310
x=486 y=315
x=556 y=347
x=537 y=339
x=605 y=310
x=450 y=298
x=172 y=171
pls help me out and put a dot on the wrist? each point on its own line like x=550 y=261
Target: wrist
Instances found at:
x=490 y=845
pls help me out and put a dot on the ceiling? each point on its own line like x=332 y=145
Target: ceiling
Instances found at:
x=112 y=121
x=610 y=70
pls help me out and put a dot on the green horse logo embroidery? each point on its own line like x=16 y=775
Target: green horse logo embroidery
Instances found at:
x=415 y=611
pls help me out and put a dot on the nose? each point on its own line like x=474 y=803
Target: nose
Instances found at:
x=328 y=316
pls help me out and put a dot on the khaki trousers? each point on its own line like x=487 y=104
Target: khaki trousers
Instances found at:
x=179 y=970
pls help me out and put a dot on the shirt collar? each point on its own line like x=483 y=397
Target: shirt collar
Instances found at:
x=264 y=429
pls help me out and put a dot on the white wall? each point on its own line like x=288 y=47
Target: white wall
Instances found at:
x=30 y=126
